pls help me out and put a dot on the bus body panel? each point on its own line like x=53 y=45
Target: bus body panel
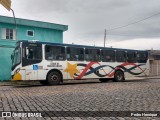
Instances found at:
x=75 y=69
x=94 y=70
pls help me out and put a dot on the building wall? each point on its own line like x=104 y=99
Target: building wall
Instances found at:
x=6 y=49
x=5 y=62
x=154 y=57
x=154 y=68
x=7 y=46
x=42 y=34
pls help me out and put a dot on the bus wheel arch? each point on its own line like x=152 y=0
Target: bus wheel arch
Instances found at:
x=56 y=75
x=119 y=76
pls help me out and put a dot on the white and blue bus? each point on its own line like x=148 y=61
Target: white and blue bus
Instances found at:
x=52 y=63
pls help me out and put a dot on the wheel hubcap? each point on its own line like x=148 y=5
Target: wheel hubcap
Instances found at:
x=119 y=76
x=54 y=78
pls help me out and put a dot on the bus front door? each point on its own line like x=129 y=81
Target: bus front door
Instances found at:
x=32 y=74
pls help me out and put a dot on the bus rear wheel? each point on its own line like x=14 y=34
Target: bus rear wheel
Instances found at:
x=118 y=76
x=54 y=78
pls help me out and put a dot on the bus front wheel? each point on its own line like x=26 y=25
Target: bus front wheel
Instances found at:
x=118 y=76
x=54 y=78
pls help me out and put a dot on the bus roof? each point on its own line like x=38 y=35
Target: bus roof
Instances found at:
x=72 y=45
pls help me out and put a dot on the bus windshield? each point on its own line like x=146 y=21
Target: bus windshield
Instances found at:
x=16 y=56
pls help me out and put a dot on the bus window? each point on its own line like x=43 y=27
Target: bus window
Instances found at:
x=121 y=56
x=34 y=53
x=92 y=54
x=108 y=56
x=75 y=54
x=54 y=53
x=17 y=56
x=131 y=57
x=141 y=57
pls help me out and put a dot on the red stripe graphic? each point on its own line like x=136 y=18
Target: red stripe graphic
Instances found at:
x=111 y=74
x=85 y=70
x=124 y=64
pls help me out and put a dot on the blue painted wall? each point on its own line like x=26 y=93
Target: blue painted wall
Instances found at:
x=47 y=32
x=42 y=34
x=5 y=63
x=6 y=49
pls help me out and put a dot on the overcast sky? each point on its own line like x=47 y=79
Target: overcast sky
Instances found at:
x=87 y=19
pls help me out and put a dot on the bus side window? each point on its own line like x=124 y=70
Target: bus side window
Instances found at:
x=92 y=55
x=48 y=53
x=54 y=53
x=131 y=57
x=108 y=56
x=30 y=54
x=33 y=53
x=75 y=54
x=141 y=57
x=62 y=54
x=121 y=56
x=86 y=55
x=81 y=54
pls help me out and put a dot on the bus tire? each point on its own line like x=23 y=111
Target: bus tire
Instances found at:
x=54 y=78
x=118 y=76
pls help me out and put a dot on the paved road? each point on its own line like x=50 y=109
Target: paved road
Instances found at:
x=136 y=95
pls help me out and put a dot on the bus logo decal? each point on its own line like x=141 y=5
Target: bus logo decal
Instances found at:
x=35 y=67
x=54 y=64
x=71 y=69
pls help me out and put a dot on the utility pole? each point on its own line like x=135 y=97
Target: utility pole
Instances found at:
x=15 y=22
x=105 y=33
